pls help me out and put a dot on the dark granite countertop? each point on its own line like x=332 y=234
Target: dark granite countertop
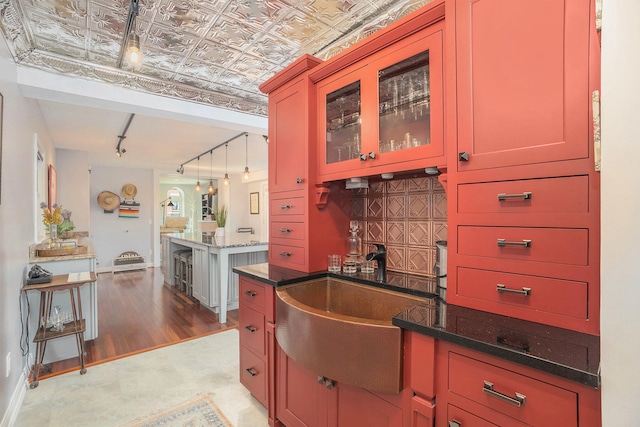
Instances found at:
x=568 y=354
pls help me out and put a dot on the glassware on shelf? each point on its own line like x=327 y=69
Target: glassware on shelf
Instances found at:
x=343 y=123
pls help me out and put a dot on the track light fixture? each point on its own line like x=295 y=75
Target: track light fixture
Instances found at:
x=130 y=46
x=119 y=149
x=133 y=50
x=211 y=190
x=246 y=159
x=226 y=164
x=180 y=169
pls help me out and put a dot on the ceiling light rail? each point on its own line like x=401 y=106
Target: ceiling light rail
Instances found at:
x=130 y=40
x=180 y=169
x=120 y=150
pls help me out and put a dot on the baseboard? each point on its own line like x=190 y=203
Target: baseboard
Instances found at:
x=17 y=397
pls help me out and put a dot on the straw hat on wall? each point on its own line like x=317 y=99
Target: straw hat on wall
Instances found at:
x=129 y=191
x=108 y=200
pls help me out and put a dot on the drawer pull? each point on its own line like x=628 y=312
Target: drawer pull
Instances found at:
x=250 y=293
x=524 y=243
x=285 y=230
x=283 y=253
x=252 y=372
x=504 y=290
x=250 y=329
x=285 y=206
x=518 y=401
x=524 y=196
x=454 y=423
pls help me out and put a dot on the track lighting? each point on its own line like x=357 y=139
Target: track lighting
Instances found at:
x=198 y=182
x=246 y=159
x=119 y=149
x=180 y=170
x=226 y=164
x=211 y=190
x=134 y=57
x=130 y=46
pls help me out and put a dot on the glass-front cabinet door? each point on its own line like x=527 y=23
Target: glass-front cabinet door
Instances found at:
x=387 y=115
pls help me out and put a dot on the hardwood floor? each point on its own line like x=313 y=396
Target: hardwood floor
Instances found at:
x=137 y=312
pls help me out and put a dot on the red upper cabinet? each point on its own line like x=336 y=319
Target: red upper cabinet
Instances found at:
x=384 y=113
x=522 y=81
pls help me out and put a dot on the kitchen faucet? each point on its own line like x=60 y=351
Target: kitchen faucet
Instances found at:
x=380 y=255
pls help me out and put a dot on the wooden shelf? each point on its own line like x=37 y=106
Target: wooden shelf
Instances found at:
x=69 y=329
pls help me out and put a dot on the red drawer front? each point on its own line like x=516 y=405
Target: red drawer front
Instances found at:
x=284 y=254
x=287 y=230
x=564 y=297
x=552 y=245
x=287 y=206
x=458 y=417
x=543 y=405
x=252 y=294
x=423 y=355
x=252 y=332
x=253 y=374
x=550 y=195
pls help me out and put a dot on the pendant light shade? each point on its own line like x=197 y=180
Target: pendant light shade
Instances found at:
x=211 y=190
x=226 y=163
x=198 y=188
x=246 y=159
x=134 y=56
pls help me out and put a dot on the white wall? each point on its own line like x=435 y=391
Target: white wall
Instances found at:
x=620 y=284
x=112 y=235
x=73 y=183
x=21 y=123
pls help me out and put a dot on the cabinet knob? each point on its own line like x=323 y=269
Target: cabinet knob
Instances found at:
x=463 y=156
x=320 y=379
x=372 y=155
x=329 y=384
x=363 y=157
x=299 y=180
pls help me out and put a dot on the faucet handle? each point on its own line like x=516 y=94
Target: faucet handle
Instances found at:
x=380 y=248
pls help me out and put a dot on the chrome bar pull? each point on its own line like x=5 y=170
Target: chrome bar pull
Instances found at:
x=285 y=206
x=252 y=372
x=250 y=293
x=518 y=401
x=250 y=329
x=283 y=253
x=524 y=196
x=285 y=230
x=504 y=290
x=524 y=243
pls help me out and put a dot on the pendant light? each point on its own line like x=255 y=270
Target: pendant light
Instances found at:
x=211 y=188
x=246 y=159
x=198 y=188
x=226 y=164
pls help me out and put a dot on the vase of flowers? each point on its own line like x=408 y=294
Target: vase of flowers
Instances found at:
x=51 y=219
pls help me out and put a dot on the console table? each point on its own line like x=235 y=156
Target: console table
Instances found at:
x=76 y=326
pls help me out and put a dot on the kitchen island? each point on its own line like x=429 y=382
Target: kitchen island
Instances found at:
x=213 y=261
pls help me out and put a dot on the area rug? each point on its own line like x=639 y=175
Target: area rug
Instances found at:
x=201 y=412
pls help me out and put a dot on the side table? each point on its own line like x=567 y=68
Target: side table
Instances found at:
x=75 y=327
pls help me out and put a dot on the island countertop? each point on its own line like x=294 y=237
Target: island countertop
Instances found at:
x=229 y=240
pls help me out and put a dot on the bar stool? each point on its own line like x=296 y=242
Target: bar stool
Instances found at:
x=190 y=275
x=177 y=267
x=185 y=258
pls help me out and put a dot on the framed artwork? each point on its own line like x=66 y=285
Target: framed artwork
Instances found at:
x=1 y=101
x=53 y=187
x=254 y=203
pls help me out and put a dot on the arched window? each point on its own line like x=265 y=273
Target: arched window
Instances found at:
x=177 y=200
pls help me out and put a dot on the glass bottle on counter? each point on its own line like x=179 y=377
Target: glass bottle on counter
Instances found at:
x=354 y=256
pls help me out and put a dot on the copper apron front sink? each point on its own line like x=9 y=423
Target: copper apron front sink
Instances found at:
x=343 y=331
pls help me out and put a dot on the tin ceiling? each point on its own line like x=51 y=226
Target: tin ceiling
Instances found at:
x=215 y=52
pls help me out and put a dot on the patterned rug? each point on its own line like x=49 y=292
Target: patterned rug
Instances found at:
x=201 y=412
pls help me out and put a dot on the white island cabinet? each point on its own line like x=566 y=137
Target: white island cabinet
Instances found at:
x=213 y=260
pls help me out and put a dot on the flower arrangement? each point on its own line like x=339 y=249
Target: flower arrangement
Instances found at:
x=59 y=217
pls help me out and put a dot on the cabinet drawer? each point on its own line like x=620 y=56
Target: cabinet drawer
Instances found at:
x=287 y=230
x=253 y=374
x=284 y=254
x=549 y=195
x=287 y=206
x=551 y=245
x=252 y=332
x=521 y=397
x=423 y=364
x=253 y=294
x=456 y=417
x=562 y=297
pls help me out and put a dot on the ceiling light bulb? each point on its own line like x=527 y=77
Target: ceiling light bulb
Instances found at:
x=226 y=179
x=246 y=173
x=118 y=153
x=198 y=188
x=211 y=189
x=133 y=50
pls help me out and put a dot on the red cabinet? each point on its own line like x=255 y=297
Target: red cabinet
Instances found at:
x=522 y=81
x=306 y=399
x=475 y=389
x=384 y=113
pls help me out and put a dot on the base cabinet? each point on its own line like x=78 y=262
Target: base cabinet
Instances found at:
x=423 y=412
x=306 y=399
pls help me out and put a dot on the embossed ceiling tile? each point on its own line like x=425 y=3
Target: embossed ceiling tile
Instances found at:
x=328 y=11
x=396 y=186
x=199 y=70
x=375 y=207
x=215 y=53
x=49 y=27
x=232 y=33
x=103 y=45
x=375 y=232
x=168 y=39
x=107 y=20
x=418 y=261
x=259 y=13
x=439 y=201
x=296 y=25
x=396 y=232
x=72 y=10
x=273 y=50
x=61 y=48
x=248 y=66
x=396 y=206
x=419 y=233
x=396 y=258
x=311 y=46
x=439 y=231
x=418 y=184
x=187 y=15
x=418 y=205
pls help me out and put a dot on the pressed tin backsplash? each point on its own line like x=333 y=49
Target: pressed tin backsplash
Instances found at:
x=408 y=216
